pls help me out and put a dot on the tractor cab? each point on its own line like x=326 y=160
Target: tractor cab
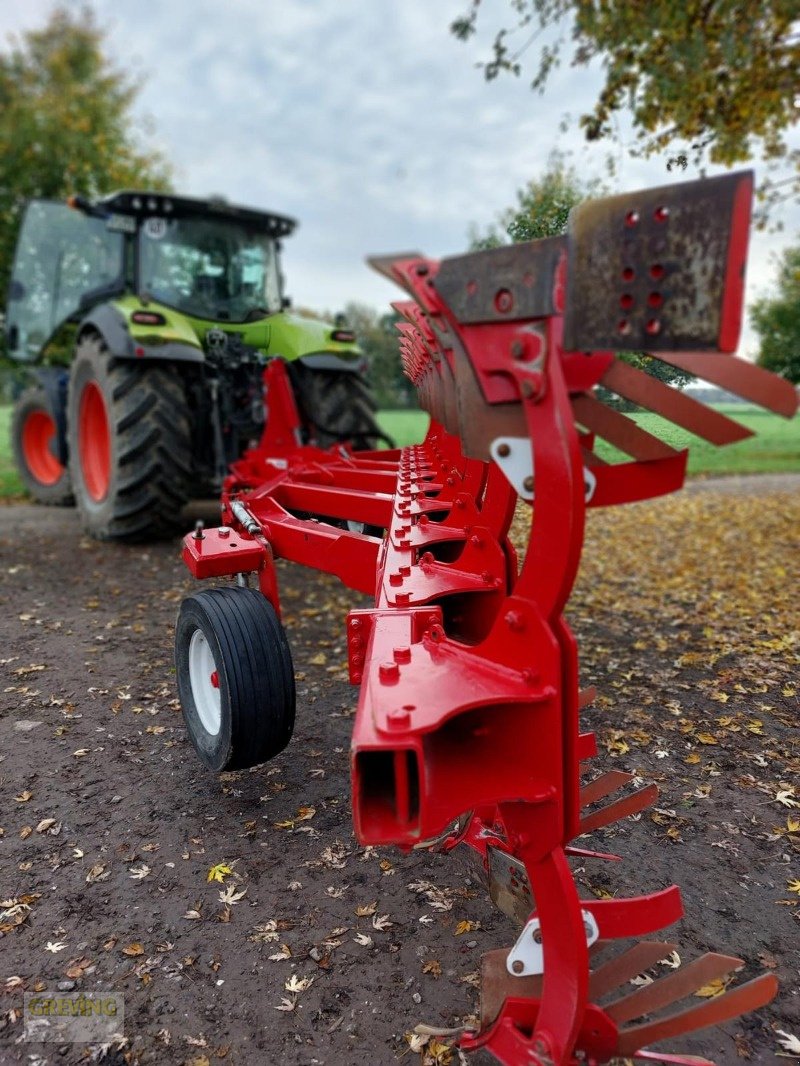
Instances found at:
x=203 y=258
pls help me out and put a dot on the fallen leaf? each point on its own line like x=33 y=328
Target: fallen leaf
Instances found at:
x=287 y=1004
x=466 y=927
x=789 y=1042
x=713 y=988
x=363 y=939
x=133 y=950
x=138 y=873
x=298 y=984
x=54 y=946
x=230 y=895
x=381 y=922
x=23 y=797
x=219 y=872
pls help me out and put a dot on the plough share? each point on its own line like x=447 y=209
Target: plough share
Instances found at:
x=467 y=729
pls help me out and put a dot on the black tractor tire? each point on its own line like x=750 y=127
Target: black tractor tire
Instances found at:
x=33 y=442
x=337 y=406
x=128 y=431
x=235 y=677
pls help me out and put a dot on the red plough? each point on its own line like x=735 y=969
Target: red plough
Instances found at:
x=467 y=730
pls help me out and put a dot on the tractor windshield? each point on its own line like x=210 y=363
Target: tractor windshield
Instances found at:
x=210 y=268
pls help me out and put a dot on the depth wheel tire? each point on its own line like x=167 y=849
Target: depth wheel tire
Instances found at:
x=129 y=445
x=338 y=405
x=235 y=677
x=33 y=441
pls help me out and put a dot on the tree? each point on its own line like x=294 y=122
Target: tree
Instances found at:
x=721 y=76
x=542 y=210
x=65 y=123
x=777 y=320
x=379 y=339
x=542 y=207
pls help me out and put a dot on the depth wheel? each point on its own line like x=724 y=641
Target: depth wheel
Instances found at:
x=34 y=443
x=129 y=440
x=235 y=677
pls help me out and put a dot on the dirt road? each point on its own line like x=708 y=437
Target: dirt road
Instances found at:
x=308 y=948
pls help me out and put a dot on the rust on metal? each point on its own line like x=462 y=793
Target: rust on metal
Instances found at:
x=651 y=271
x=504 y=284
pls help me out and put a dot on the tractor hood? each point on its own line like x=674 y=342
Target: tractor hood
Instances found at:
x=293 y=336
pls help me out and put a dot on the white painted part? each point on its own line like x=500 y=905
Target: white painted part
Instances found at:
x=517 y=465
x=206 y=695
x=526 y=958
x=589 y=484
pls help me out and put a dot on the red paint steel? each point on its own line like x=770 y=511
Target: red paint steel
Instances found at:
x=467 y=731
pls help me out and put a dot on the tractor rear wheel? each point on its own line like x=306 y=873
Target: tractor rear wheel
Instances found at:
x=33 y=440
x=235 y=677
x=128 y=432
x=338 y=406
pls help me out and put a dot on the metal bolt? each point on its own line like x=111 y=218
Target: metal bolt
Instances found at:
x=398 y=718
x=388 y=672
x=224 y=531
x=355 y=623
x=527 y=484
x=517 y=965
x=518 y=349
x=357 y=677
x=402 y=654
x=198 y=530
x=503 y=450
x=514 y=620
x=527 y=389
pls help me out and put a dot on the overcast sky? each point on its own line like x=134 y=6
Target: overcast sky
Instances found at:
x=364 y=119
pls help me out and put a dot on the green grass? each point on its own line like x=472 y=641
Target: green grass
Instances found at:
x=404 y=427
x=10 y=484
x=774 y=449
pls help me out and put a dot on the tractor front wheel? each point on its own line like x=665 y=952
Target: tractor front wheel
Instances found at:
x=235 y=677
x=34 y=443
x=129 y=444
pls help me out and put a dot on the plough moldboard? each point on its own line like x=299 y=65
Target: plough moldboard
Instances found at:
x=467 y=730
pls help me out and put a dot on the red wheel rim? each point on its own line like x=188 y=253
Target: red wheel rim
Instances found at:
x=38 y=432
x=94 y=443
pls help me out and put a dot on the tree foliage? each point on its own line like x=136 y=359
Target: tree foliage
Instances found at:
x=378 y=337
x=542 y=210
x=777 y=320
x=65 y=123
x=720 y=76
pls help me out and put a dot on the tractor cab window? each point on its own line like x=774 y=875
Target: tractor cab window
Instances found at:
x=209 y=268
x=65 y=262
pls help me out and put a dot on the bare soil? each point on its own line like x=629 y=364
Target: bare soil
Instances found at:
x=110 y=827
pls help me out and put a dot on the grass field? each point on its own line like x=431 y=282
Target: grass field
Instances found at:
x=774 y=448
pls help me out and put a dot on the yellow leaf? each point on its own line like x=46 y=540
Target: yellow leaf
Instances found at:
x=219 y=872
x=319 y=659
x=713 y=988
x=707 y=738
x=466 y=927
x=133 y=950
x=792 y=825
x=692 y=759
x=720 y=697
x=794 y=885
x=304 y=813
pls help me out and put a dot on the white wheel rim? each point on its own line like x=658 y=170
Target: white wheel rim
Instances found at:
x=202 y=676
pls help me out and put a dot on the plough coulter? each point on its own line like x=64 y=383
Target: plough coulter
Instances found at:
x=467 y=731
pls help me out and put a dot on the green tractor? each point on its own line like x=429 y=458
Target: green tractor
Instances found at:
x=148 y=320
